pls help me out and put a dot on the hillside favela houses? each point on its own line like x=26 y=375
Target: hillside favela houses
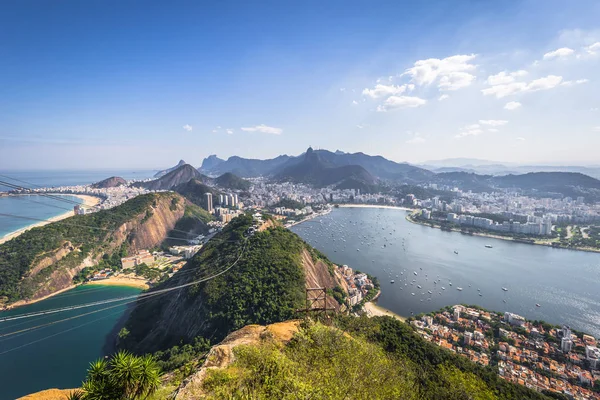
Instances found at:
x=534 y=354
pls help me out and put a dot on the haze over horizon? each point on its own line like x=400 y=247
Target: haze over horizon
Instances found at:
x=110 y=84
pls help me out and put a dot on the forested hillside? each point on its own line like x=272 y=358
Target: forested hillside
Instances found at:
x=266 y=285
x=45 y=259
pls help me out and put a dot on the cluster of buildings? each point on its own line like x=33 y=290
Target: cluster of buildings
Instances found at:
x=359 y=284
x=534 y=226
x=141 y=257
x=290 y=212
x=565 y=210
x=553 y=359
x=265 y=194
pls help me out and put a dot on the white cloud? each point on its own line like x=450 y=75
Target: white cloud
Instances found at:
x=215 y=130
x=452 y=72
x=361 y=126
x=505 y=77
x=597 y=128
x=563 y=52
x=477 y=129
x=512 y=105
x=342 y=89
x=443 y=97
x=493 y=122
x=455 y=80
x=548 y=82
x=394 y=102
x=572 y=83
x=229 y=131
x=354 y=102
x=264 y=129
x=521 y=139
x=593 y=49
x=384 y=91
x=187 y=127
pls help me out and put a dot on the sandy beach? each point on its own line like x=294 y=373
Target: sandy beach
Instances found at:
x=373 y=310
x=89 y=201
x=121 y=281
x=374 y=206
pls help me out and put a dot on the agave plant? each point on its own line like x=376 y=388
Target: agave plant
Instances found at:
x=124 y=377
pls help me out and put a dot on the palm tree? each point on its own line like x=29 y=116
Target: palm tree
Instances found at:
x=124 y=377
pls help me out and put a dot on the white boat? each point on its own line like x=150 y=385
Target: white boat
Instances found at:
x=413 y=294
x=505 y=289
x=419 y=286
x=443 y=288
x=392 y=281
x=489 y=246
x=537 y=305
x=429 y=291
x=415 y=272
x=459 y=288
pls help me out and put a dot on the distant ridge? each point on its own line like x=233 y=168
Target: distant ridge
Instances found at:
x=166 y=171
x=377 y=166
x=181 y=174
x=318 y=172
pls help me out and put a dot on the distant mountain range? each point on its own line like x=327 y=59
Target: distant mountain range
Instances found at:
x=486 y=167
x=539 y=184
x=376 y=166
x=361 y=171
x=313 y=168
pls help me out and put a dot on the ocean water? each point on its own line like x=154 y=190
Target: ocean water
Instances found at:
x=56 y=354
x=565 y=283
x=41 y=207
x=30 y=206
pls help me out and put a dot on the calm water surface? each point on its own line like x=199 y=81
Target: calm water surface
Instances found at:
x=57 y=355
x=381 y=242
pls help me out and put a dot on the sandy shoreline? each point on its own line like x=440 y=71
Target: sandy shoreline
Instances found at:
x=506 y=238
x=375 y=206
x=89 y=201
x=374 y=310
x=139 y=283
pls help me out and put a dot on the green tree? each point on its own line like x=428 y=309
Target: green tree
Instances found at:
x=123 y=377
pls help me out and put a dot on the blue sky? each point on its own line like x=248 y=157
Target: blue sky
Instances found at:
x=141 y=84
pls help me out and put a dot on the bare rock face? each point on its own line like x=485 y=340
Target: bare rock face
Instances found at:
x=143 y=231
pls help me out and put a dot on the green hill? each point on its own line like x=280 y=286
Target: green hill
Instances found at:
x=266 y=285
x=232 y=182
x=44 y=260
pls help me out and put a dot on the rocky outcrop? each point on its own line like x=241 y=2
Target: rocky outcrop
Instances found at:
x=176 y=177
x=111 y=182
x=222 y=355
x=50 y=394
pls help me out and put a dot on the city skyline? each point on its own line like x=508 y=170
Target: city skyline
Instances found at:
x=107 y=84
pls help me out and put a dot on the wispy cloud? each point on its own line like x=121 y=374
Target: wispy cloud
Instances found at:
x=229 y=131
x=503 y=90
x=397 y=102
x=416 y=138
x=493 y=122
x=263 y=129
x=443 y=97
x=512 y=105
x=563 y=52
x=450 y=73
x=187 y=127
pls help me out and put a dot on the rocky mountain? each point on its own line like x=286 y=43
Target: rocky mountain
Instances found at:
x=232 y=182
x=44 y=260
x=377 y=166
x=166 y=171
x=313 y=169
x=111 y=182
x=210 y=163
x=243 y=167
x=265 y=283
x=179 y=175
